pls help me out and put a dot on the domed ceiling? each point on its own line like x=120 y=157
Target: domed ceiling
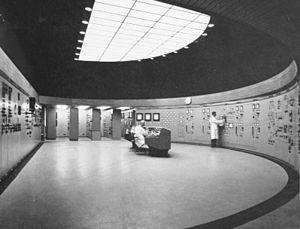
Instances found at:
x=250 y=42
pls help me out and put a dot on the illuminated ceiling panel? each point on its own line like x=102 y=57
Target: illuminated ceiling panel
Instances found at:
x=125 y=30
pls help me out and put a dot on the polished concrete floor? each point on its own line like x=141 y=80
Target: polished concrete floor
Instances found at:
x=104 y=184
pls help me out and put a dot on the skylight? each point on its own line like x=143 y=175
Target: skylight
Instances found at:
x=126 y=30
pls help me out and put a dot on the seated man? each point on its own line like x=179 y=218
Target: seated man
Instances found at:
x=139 y=134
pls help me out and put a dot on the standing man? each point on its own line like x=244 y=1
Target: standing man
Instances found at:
x=214 y=132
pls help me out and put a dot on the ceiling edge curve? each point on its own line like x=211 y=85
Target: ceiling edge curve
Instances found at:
x=274 y=84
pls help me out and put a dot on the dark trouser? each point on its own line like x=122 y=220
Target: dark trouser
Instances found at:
x=213 y=142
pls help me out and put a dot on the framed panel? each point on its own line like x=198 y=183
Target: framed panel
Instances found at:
x=156 y=117
x=148 y=117
x=139 y=116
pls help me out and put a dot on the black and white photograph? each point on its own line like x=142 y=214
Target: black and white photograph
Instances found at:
x=149 y=114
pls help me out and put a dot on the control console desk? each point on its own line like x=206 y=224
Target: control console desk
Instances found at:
x=158 y=141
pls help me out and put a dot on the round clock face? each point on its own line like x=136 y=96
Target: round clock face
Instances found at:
x=188 y=100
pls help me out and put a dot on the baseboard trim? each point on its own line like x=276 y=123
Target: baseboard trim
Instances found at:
x=6 y=180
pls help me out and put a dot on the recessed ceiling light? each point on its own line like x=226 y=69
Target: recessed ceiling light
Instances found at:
x=82 y=32
x=186 y=47
x=78 y=48
x=175 y=52
x=88 y=8
x=164 y=55
x=127 y=30
x=80 y=41
x=83 y=107
x=77 y=54
x=151 y=58
x=103 y=107
x=123 y=108
x=210 y=25
x=75 y=58
x=60 y=106
x=204 y=34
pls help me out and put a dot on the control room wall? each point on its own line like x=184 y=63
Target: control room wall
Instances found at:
x=63 y=122
x=20 y=128
x=106 y=123
x=269 y=125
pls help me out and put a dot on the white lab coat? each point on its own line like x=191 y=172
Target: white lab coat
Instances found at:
x=139 y=135
x=214 y=132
